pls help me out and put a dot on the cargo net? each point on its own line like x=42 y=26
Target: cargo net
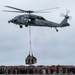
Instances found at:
x=30 y=58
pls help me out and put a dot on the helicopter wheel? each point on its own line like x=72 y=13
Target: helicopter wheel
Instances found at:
x=26 y=25
x=57 y=30
x=21 y=26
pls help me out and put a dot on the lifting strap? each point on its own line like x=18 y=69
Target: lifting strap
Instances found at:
x=30 y=43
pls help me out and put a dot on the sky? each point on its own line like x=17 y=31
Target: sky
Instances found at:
x=48 y=46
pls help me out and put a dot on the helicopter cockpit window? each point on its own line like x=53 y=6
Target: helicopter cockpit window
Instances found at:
x=16 y=17
x=40 y=18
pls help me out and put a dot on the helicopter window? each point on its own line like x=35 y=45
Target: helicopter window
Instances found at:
x=32 y=20
x=40 y=18
x=16 y=17
x=19 y=17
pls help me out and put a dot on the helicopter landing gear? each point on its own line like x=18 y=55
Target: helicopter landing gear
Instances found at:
x=21 y=26
x=26 y=25
x=56 y=29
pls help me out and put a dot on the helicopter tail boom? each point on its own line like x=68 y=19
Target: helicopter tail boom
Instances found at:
x=64 y=23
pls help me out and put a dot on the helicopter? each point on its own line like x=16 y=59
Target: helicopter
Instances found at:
x=29 y=19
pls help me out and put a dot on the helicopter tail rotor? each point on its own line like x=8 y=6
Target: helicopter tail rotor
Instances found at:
x=66 y=16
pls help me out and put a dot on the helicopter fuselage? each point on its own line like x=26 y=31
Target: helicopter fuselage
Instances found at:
x=34 y=20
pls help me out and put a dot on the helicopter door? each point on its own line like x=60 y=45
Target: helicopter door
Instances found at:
x=31 y=20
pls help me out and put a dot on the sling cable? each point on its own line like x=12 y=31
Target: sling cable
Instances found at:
x=30 y=58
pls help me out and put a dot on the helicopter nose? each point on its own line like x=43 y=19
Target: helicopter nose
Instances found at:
x=12 y=20
x=9 y=21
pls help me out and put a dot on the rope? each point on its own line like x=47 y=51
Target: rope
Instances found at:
x=30 y=44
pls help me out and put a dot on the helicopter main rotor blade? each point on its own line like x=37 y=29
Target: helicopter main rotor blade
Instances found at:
x=15 y=8
x=29 y=11
x=47 y=9
x=13 y=11
x=41 y=12
x=23 y=12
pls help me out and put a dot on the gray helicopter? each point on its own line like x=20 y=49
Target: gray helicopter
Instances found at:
x=34 y=20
